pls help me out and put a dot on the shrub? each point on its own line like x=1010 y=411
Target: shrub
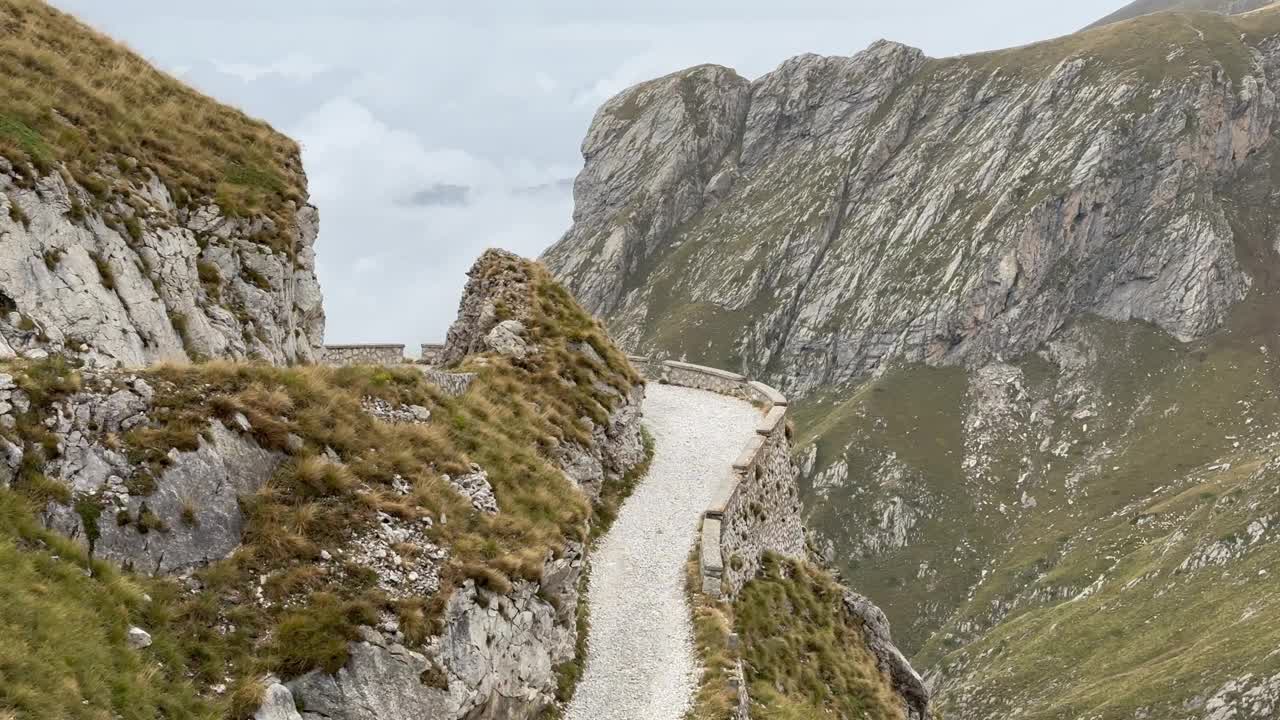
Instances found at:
x=317 y=636
x=105 y=271
x=52 y=257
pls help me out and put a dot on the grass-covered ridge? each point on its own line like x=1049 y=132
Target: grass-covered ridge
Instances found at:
x=72 y=97
x=805 y=656
x=348 y=468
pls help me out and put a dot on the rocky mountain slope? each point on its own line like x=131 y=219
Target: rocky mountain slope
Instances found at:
x=139 y=220
x=359 y=542
x=1025 y=303
x=1146 y=7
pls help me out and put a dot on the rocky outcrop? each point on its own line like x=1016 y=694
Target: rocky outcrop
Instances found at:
x=890 y=206
x=893 y=664
x=496 y=309
x=189 y=514
x=495 y=305
x=495 y=659
x=656 y=156
x=136 y=279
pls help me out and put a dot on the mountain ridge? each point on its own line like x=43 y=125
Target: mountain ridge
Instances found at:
x=1023 y=303
x=1147 y=7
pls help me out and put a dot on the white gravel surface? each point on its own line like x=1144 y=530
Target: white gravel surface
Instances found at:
x=641 y=663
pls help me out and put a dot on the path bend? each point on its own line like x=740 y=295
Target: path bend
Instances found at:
x=641 y=661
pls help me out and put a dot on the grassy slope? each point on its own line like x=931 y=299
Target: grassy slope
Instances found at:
x=1151 y=492
x=803 y=656
x=72 y=97
x=512 y=416
x=1144 y=7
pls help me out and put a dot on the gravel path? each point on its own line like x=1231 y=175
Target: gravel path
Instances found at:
x=640 y=660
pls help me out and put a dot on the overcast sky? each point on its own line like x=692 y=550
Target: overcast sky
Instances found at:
x=432 y=130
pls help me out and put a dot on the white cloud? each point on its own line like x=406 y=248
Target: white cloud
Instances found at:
x=393 y=272
x=294 y=66
x=544 y=82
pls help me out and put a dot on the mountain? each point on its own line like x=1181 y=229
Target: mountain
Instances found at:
x=1024 y=303
x=198 y=520
x=236 y=540
x=141 y=220
x=1146 y=7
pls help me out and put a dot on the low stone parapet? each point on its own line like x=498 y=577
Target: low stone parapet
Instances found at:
x=756 y=505
x=364 y=354
x=432 y=354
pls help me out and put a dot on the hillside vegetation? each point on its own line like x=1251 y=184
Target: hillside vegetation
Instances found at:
x=1146 y=7
x=1024 y=304
x=72 y=97
x=345 y=472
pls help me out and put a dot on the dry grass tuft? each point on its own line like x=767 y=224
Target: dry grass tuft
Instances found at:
x=805 y=656
x=74 y=97
x=343 y=467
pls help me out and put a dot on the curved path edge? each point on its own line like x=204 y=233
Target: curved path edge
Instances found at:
x=732 y=543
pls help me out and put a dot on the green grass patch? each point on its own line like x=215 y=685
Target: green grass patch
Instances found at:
x=74 y=97
x=806 y=657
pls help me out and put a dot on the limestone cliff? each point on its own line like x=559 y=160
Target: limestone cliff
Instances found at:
x=889 y=206
x=139 y=220
x=1023 y=303
x=362 y=542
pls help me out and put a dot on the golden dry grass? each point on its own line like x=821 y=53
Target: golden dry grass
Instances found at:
x=343 y=467
x=73 y=97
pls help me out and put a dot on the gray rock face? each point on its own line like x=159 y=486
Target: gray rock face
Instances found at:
x=197 y=500
x=656 y=155
x=498 y=285
x=192 y=517
x=616 y=447
x=277 y=704
x=875 y=628
x=889 y=206
x=170 y=284
x=506 y=338
x=494 y=660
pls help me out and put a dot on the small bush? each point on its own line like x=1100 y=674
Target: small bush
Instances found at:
x=105 y=271
x=52 y=257
x=18 y=215
x=317 y=477
x=76 y=213
x=148 y=521
x=188 y=514
x=317 y=637
x=256 y=278
x=133 y=226
x=210 y=279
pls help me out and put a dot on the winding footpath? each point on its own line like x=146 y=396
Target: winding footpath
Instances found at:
x=641 y=663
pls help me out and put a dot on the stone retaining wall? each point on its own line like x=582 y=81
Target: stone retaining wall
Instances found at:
x=433 y=353
x=364 y=354
x=756 y=507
